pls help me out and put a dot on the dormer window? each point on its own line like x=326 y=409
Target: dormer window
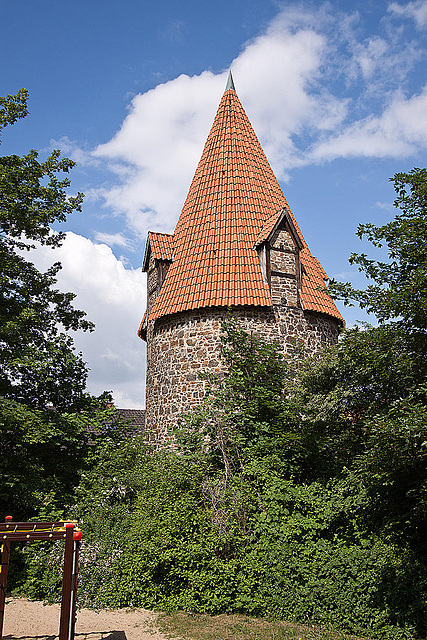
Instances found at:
x=278 y=246
x=264 y=260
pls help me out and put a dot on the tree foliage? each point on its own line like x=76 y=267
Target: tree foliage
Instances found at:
x=13 y=107
x=38 y=365
x=45 y=410
x=41 y=456
x=398 y=290
x=328 y=524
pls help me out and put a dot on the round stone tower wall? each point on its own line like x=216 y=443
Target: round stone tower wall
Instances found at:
x=182 y=346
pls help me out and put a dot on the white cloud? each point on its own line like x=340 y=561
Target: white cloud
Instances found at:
x=113 y=239
x=157 y=147
x=74 y=150
x=371 y=55
x=376 y=63
x=416 y=10
x=278 y=77
x=386 y=206
x=344 y=275
x=114 y=299
x=397 y=132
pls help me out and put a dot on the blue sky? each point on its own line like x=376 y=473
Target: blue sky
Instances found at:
x=336 y=92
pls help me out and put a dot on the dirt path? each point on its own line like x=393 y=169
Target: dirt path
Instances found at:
x=25 y=620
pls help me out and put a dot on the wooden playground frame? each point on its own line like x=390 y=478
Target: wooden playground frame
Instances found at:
x=30 y=531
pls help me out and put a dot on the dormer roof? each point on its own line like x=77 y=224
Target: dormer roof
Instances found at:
x=234 y=203
x=160 y=246
x=274 y=222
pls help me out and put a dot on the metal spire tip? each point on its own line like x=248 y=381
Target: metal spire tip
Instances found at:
x=230 y=82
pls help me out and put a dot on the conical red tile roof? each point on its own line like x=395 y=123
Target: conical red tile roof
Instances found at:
x=233 y=198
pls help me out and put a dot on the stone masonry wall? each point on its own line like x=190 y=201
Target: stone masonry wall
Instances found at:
x=285 y=270
x=181 y=346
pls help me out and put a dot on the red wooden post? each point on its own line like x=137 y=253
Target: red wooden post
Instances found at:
x=3 y=579
x=77 y=536
x=5 y=548
x=64 y=625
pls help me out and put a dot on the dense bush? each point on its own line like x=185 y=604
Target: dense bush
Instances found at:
x=247 y=527
x=166 y=537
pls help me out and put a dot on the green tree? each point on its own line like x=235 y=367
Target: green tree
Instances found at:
x=38 y=365
x=41 y=455
x=374 y=402
x=398 y=287
x=45 y=411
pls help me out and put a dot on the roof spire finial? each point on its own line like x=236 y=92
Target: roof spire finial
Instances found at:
x=230 y=82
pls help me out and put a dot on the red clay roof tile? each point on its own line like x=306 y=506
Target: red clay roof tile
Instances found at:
x=234 y=202
x=161 y=247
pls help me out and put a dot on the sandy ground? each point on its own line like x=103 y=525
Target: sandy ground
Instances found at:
x=25 y=620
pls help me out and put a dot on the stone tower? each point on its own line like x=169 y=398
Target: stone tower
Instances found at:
x=236 y=246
